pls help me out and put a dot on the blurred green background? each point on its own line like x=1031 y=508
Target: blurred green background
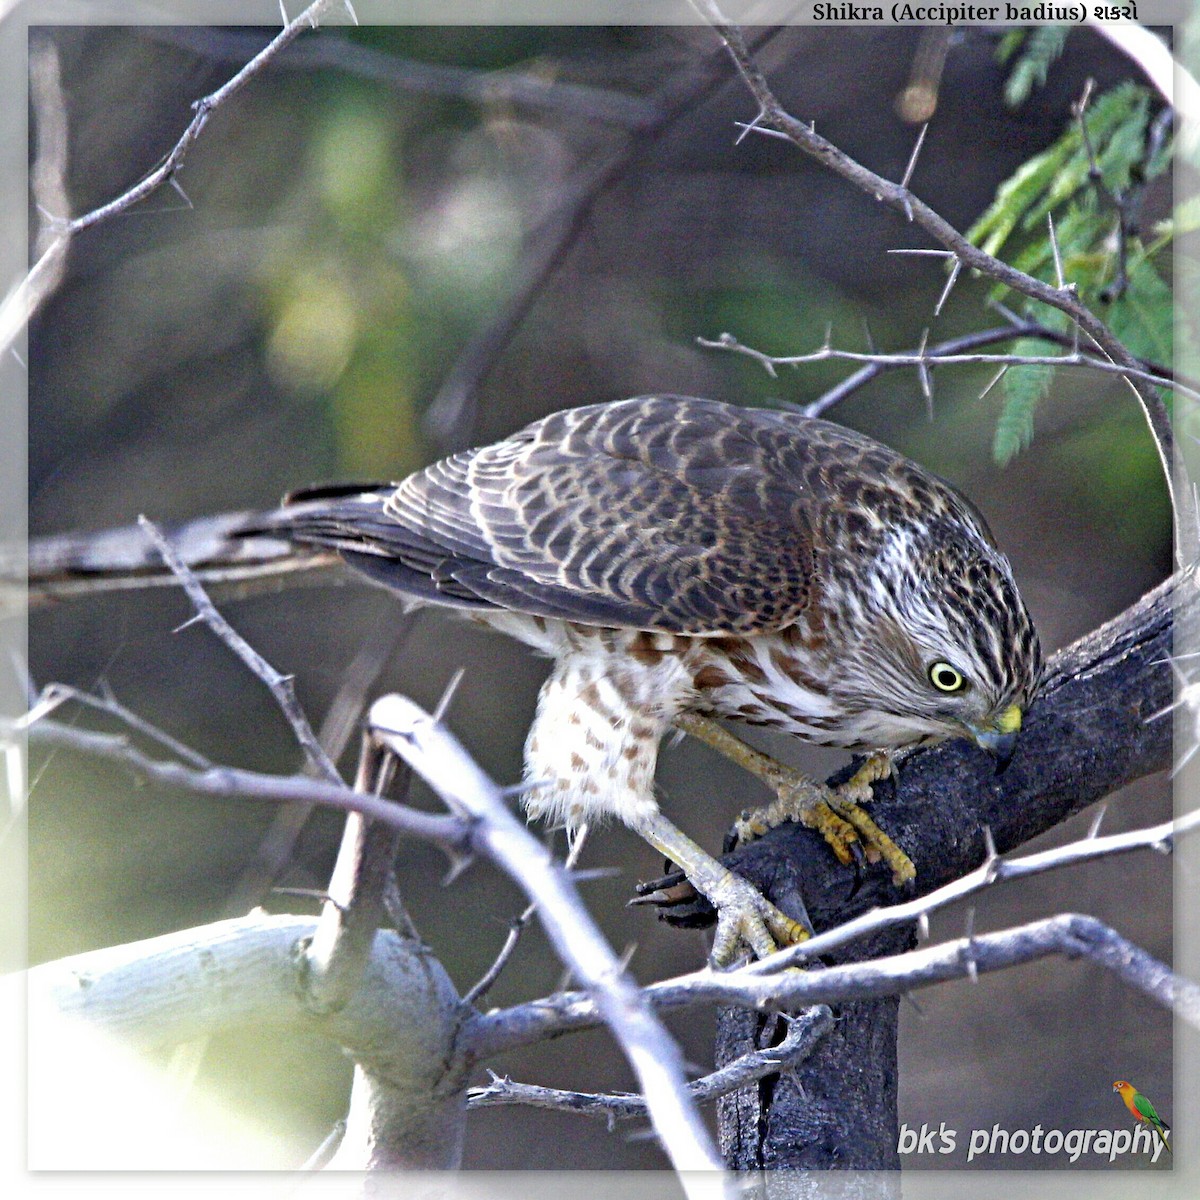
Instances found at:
x=347 y=227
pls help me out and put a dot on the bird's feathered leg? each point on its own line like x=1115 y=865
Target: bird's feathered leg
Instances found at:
x=834 y=812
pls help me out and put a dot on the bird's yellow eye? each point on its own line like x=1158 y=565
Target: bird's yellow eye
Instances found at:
x=946 y=678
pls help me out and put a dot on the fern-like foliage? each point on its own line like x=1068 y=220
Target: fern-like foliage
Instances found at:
x=1060 y=184
x=1038 y=47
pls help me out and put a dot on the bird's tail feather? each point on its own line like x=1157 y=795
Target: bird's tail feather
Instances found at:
x=242 y=553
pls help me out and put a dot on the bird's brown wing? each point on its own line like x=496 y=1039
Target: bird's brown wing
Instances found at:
x=662 y=513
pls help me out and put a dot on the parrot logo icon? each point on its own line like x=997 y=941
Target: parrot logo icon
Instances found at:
x=1141 y=1108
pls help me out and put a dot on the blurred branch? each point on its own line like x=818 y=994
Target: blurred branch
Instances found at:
x=21 y=304
x=451 y=414
x=927 y=357
x=803 y=1032
x=1169 y=77
x=773 y=120
x=526 y=89
x=437 y=756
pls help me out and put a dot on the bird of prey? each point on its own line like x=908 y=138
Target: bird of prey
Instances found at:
x=1142 y=1110
x=681 y=560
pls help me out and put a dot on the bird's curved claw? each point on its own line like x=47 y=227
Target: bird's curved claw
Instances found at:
x=746 y=916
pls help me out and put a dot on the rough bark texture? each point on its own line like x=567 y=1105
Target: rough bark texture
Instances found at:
x=1088 y=734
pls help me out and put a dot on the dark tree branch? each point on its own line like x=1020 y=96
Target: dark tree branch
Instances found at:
x=1091 y=731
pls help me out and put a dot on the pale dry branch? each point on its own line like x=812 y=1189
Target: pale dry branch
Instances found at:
x=993 y=870
x=437 y=756
x=402 y=1021
x=274 y=850
x=1016 y=328
x=803 y=1031
x=450 y=834
x=354 y=907
x=1069 y=934
x=54 y=695
x=926 y=358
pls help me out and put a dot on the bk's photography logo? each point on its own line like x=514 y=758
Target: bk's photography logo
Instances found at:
x=1149 y=1136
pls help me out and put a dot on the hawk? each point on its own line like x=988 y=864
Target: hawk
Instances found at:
x=682 y=559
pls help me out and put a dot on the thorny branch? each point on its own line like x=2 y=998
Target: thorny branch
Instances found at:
x=994 y=869
x=441 y=761
x=928 y=357
x=803 y=1031
x=966 y=344
x=24 y=300
x=773 y=120
x=488 y=979
x=1069 y=934
x=281 y=687
x=450 y=834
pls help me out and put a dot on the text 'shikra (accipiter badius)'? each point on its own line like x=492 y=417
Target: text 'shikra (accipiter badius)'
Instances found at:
x=681 y=560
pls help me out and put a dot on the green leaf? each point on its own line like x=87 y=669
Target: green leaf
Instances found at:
x=1024 y=387
x=1015 y=196
x=1142 y=317
x=1042 y=46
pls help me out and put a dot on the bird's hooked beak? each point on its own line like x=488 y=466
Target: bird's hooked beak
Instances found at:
x=999 y=737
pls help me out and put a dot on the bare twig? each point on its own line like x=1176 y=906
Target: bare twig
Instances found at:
x=280 y=686
x=275 y=848
x=1070 y=934
x=27 y=297
x=437 y=757
x=54 y=695
x=803 y=1033
x=448 y=833
x=516 y=927
x=923 y=359
x=1016 y=328
x=992 y=870
x=775 y=117
x=327 y=1149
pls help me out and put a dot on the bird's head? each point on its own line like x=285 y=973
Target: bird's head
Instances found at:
x=947 y=647
x=1123 y=1087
